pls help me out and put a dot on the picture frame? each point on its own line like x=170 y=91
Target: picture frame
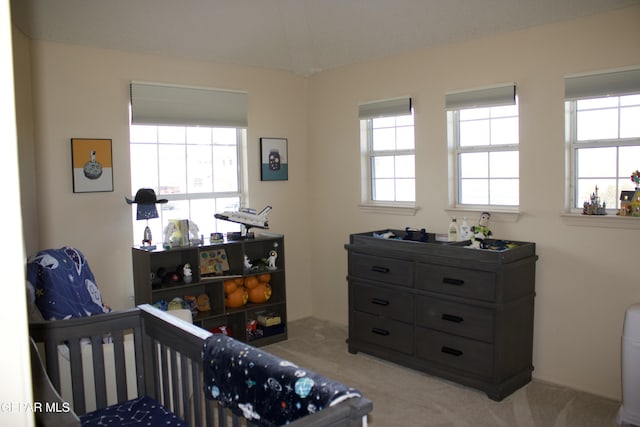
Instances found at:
x=274 y=161
x=91 y=165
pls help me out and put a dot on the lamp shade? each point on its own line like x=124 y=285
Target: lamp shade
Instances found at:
x=146 y=211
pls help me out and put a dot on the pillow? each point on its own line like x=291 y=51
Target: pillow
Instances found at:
x=63 y=284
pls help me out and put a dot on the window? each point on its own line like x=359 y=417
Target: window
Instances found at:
x=198 y=169
x=388 y=147
x=484 y=135
x=603 y=136
x=191 y=159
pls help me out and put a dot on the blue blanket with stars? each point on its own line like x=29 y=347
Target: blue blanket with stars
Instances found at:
x=263 y=388
x=63 y=284
x=142 y=411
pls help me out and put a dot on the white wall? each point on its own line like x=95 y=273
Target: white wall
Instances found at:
x=15 y=366
x=84 y=93
x=584 y=284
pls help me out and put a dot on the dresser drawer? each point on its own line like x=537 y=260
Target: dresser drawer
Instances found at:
x=383 y=332
x=382 y=269
x=459 y=353
x=480 y=285
x=458 y=319
x=381 y=301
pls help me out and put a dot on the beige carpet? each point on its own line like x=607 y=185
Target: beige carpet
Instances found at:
x=404 y=397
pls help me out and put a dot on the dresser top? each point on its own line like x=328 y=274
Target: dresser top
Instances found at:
x=416 y=244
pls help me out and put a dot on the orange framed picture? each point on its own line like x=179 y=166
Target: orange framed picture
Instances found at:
x=91 y=164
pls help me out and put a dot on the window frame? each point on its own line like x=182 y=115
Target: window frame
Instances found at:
x=573 y=145
x=368 y=155
x=453 y=133
x=186 y=196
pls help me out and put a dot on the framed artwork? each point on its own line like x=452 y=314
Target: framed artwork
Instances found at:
x=91 y=164
x=274 y=165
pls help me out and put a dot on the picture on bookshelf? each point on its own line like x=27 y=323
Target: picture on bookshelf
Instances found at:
x=213 y=262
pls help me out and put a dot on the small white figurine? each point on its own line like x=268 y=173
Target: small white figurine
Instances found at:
x=247 y=263
x=186 y=271
x=272 y=259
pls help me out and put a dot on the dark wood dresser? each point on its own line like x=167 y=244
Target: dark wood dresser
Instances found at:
x=459 y=313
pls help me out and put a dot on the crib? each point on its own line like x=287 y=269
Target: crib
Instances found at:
x=144 y=353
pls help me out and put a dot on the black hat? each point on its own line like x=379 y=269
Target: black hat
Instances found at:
x=145 y=196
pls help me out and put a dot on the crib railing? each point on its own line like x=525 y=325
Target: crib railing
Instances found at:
x=118 y=356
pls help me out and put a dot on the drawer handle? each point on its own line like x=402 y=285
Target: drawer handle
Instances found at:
x=450 y=281
x=452 y=351
x=452 y=318
x=379 y=269
x=378 y=301
x=379 y=331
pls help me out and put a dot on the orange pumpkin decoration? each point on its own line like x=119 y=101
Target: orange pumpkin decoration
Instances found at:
x=251 y=282
x=237 y=298
x=230 y=286
x=260 y=293
x=239 y=281
x=264 y=277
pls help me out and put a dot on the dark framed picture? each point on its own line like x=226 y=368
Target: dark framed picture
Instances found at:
x=91 y=164
x=274 y=164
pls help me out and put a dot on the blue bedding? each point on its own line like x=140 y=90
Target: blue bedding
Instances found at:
x=263 y=388
x=143 y=411
x=63 y=284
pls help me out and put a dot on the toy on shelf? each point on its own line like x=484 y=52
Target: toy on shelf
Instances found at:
x=186 y=273
x=247 y=217
x=235 y=294
x=203 y=303
x=222 y=329
x=214 y=262
x=258 y=288
x=181 y=232
x=273 y=255
x=262 y=264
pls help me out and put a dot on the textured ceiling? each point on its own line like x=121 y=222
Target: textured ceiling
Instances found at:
x=303 y=36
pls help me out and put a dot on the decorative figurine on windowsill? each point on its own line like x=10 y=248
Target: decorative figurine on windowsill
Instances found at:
x=635 y=177
x=481 y=231
x=594 y=206
x=632 y=205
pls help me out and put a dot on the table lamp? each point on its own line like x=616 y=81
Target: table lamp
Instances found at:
x=146 y=200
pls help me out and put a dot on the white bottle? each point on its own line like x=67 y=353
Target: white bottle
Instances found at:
x=453 y=231
x=465 y=230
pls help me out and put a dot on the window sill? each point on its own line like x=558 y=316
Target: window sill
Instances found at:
x=604 y=221
x=395 y=209
x=497 y=215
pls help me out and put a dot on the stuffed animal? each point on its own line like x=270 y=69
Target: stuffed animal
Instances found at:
x=177 y=304
x=161 y=305
x=203 y=303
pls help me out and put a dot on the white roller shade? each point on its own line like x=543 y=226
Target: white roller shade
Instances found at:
x=153 y=103
x=385 y=108
x=602 y=84
x=484 y=97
